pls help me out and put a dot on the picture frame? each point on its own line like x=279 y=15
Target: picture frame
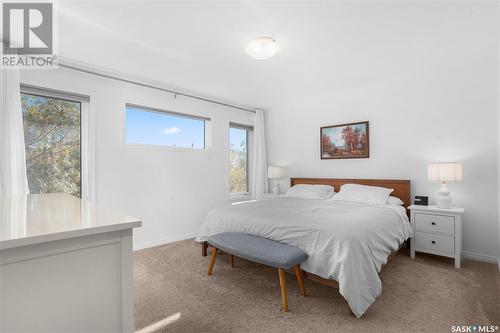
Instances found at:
x=342 y=141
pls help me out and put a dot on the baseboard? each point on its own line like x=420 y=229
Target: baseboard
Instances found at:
x=177 y=238
x=479 y=257
x=158 y=242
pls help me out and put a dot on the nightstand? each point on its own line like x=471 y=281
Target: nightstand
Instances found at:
x=437 y=231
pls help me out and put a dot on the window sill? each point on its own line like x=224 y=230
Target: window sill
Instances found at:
x=238 y=197
x=167 y=148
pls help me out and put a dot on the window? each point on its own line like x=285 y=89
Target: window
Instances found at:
x=52 y=134
x=238 y=159
x=153 y=127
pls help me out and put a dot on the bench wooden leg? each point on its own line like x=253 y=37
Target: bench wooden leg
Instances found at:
x=231 y=260
x=204 y=247
x=300 y=280
x=284 y=298
x=212 y=260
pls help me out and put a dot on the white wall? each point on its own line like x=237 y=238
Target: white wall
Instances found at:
x=170 y=190
x=423 y=73
x=425 y=76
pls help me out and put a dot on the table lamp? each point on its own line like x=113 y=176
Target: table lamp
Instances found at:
x=275 y=172
x=444 y=173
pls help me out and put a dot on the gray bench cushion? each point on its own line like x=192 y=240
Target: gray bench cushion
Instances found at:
x=257 y=249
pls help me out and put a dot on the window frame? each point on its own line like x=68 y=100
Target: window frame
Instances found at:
x=249 y=136
x=87 y=167
x=207 y=121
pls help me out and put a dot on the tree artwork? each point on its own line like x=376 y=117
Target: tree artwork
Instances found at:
x=345 y=141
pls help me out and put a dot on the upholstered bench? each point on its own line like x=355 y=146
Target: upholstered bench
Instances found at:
x=263 y=251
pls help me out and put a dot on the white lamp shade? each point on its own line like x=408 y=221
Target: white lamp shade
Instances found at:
x=261 y=47
x=275 y=172
x=445 y=172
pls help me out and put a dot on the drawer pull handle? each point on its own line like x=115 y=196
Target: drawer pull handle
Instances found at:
x=433 y=242
x=433 y=223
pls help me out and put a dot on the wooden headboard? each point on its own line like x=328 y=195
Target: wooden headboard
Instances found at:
x=401 y=187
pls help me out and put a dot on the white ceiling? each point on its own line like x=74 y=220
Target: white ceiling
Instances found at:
x=198 y=45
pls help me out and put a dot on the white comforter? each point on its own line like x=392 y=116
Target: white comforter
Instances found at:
x=347 y=242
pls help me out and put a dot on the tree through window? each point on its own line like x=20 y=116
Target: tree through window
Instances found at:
x=52 y=134
x=238 y=159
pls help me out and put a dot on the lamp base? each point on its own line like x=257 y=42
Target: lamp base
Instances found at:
x=444 y=197
x=444 y=202
x=276 y=187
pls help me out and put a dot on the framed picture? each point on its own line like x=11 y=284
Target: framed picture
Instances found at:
x=345 y=141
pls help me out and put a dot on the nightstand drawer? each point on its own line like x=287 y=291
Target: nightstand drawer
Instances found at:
x=434 y=242
x=435 y=223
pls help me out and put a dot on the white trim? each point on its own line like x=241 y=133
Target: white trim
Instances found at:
x=207 y=123
x=127 y=280
x=160 y=147
x=209 y=141
x=479 y=257
x=88 y=169
x=87 y=131
x=165 y=112
x=239 y=196
x=241 y=126
x=177 y=238
x=163 y=241
x=55 y=87
x=55 y=93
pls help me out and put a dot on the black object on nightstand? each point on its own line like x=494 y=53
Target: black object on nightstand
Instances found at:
x=421 y=200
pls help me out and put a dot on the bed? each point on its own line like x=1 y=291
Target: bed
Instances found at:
x=347 y=243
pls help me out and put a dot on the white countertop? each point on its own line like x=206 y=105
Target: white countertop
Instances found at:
x=38 y=218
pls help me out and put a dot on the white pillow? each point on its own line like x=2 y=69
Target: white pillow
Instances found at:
x=393 y=201
x=306 y=191
x=363 y=194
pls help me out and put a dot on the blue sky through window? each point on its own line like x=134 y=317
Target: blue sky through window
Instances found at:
x=236 y=137
x=156 y=128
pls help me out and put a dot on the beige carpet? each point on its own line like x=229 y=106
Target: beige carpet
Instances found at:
x=174 y=294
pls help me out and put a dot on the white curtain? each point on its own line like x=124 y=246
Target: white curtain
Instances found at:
x=13 y=180
x=259 y=162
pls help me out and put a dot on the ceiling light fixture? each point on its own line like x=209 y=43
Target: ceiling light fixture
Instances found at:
x=261 y=47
